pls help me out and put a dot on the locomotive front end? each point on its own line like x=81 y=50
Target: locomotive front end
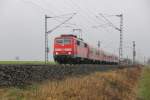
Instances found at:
x=63 y=49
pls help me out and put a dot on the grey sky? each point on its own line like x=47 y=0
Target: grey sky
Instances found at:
x=22 y=25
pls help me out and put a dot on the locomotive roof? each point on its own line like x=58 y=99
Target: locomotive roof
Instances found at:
x=71 y=35
x=68 y=35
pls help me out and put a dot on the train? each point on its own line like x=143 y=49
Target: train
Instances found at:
x=69 y=49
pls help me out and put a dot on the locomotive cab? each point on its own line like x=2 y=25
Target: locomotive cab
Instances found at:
x=64 y=48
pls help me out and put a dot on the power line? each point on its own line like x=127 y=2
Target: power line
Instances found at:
x=39 y=6
x=109 y=22
x=51 y=5
x=62 y=23
x=87 y=11
x=85 y=15
x=85 y=26
x=64 y=17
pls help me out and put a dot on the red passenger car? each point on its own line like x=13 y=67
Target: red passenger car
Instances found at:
x=70 y=49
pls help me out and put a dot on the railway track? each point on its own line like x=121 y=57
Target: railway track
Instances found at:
x=18 y=75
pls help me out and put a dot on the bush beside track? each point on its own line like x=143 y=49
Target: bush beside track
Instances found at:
x=18 y=75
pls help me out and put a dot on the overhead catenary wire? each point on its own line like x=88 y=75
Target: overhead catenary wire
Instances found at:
x=63 y=16
x=51 y=5
x=54 y=16
x=62 y=23
x=88 y=19
x=92 y=14
x=85 y=26
x=109 y=22
x=86 y=12
x=85 y=15
x=40 y=7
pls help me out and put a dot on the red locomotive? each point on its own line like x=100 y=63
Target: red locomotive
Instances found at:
x=68 y=49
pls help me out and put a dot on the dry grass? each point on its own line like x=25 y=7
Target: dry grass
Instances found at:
x=113 y=85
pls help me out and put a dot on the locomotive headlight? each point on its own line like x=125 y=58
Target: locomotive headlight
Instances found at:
x=56 y=53
x=69 y=53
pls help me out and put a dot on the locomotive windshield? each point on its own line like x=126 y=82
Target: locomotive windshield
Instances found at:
x=59 y=41
x=67 y=41
x=63 y=41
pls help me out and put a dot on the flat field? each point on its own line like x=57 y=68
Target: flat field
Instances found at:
x=111 y=85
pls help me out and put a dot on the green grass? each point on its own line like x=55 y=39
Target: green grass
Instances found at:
x=25 y=62
x=14 y=93
x=144 y=91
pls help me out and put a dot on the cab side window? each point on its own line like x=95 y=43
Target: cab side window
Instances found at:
x=85 y=45
x=82 y=44
x=78 y=43
x=59 y=41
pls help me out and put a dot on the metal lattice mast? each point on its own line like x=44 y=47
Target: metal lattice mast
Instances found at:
x=46 y=40
x=134 y=52
x=121 y=39
x=99 y=44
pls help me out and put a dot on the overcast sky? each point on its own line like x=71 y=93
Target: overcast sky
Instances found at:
x=22 y=25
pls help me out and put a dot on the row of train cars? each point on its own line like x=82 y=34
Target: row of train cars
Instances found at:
x=69 y=49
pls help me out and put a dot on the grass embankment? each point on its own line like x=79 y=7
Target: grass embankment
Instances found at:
x=113 y=85
x=144 y=91
x=25 y=62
